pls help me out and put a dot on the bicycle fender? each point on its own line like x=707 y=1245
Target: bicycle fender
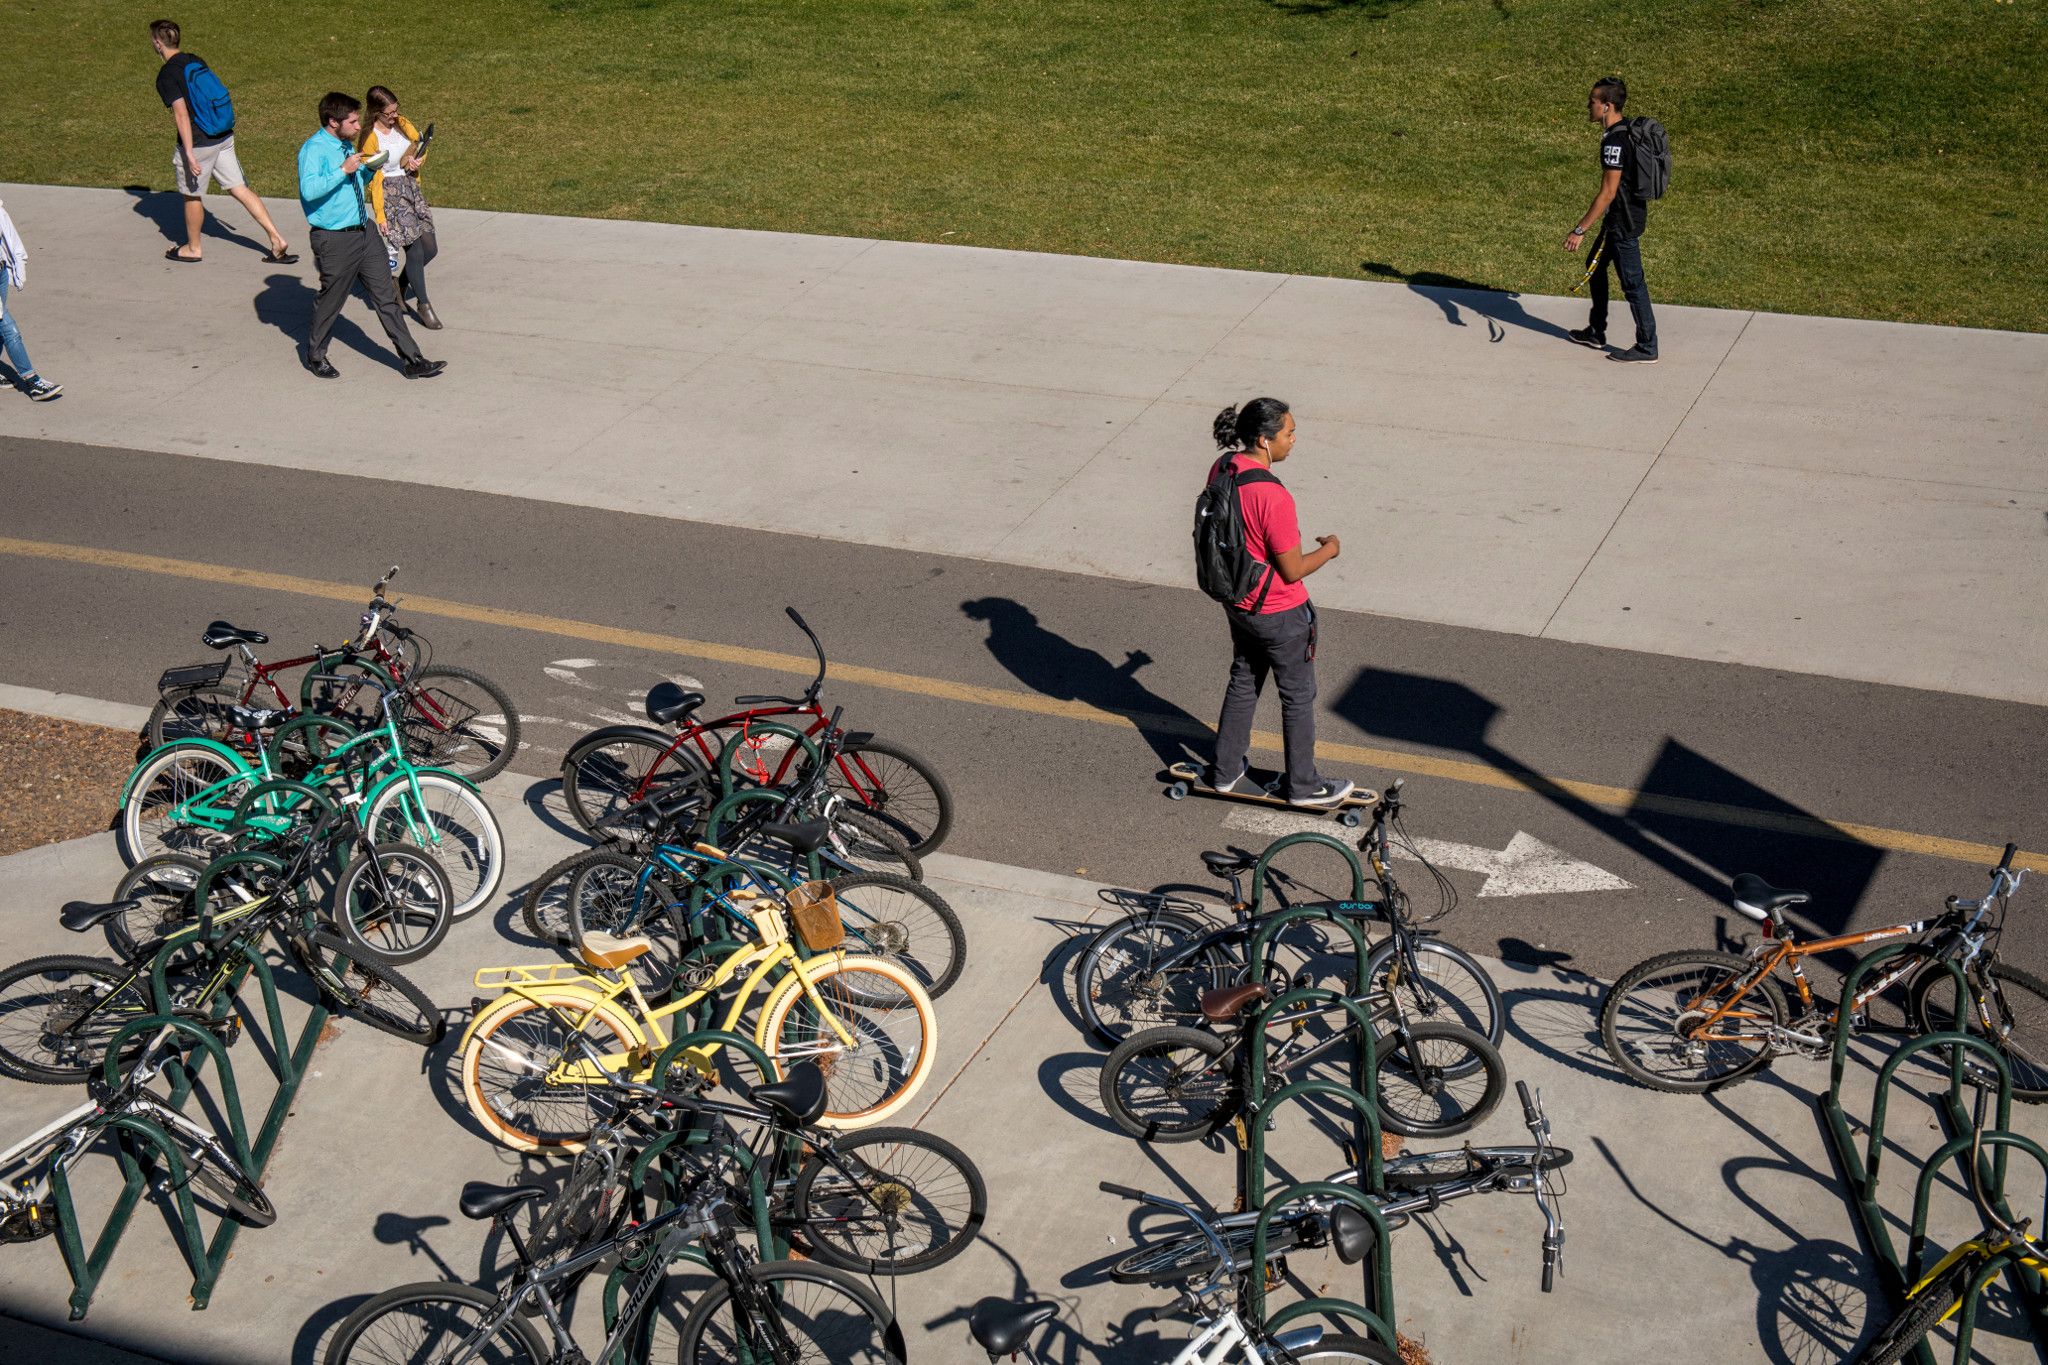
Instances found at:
x=612 y=732
x=1299 y=1339
x=235 y=756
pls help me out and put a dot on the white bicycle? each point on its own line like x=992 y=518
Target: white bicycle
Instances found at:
x=1003 y=1327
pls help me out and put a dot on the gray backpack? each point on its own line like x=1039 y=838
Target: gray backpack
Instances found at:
x=1652 y=158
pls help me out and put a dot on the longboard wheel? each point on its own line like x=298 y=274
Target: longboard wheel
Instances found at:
x=1177 y=791
x=1350 y=819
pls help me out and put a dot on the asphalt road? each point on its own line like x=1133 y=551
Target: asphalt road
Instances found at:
x=1036 y=785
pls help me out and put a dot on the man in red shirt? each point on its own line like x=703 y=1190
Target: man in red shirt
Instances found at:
x=1273 y=630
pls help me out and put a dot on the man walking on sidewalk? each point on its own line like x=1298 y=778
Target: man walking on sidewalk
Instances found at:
x=204 y=153
x=1622 y=215
x=346 y=244
x=1273 y=629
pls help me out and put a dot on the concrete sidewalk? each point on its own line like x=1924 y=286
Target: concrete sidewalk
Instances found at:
x=1848 y=498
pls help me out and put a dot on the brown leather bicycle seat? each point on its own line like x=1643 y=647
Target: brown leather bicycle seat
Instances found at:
x=608 y=952
x=1222 y=1006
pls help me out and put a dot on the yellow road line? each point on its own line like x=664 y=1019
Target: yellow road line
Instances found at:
x=1390 y=760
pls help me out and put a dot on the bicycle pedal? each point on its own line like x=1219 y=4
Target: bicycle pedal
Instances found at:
x=29 y=1224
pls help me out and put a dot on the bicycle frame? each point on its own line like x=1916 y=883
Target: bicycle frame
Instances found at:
x=1784 y=951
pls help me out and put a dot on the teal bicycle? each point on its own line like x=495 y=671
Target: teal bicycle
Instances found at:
x=184 y=795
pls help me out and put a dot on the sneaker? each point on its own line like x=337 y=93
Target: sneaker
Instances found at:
x=1328 y=793
x=1635 y=355
x=41 y=390
x=424 y=368
x=1229 y=786
x=1586 y=336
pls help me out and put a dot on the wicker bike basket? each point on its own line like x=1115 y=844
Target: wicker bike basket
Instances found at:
x=815 y=912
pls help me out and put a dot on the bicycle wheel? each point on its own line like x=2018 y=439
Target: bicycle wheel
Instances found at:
x=216 y=1177
x=150 y=821
x=905 y=1201
x=193 y=713
x=364 y=986
x=545 y=907
x=602 y=775
x=2017 y=1003
x=887 y=1014
x=395 y=902
x=349 y=690
x=1192 y=1256
x=605 y=895
x=1421 y=1170
x=1339 y=1348
x=906 y=922
x=452 y=823
x=1897 y=1338
x=514 y=1045
x=1648 y=1015
x=1452 y=988
x=1121 y=989
x=425 y=1324
x=164 y=885
x=456 y=718
x=57 y=1015
x=872 y=844
x=1445 y=1079
x=900 y=787
x=819 y=1314
x=1170 y=1084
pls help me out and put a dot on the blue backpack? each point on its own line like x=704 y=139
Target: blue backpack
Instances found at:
x=206 y=96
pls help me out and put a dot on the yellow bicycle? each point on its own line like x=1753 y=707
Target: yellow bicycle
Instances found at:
x=535 y=1060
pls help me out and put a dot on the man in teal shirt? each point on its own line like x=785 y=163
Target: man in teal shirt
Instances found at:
x=346 y=244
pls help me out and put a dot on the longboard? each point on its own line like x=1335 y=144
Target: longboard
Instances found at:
x=1189 y=777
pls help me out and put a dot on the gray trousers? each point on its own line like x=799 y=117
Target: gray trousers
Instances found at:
x=343 y=258
x=1279 y=645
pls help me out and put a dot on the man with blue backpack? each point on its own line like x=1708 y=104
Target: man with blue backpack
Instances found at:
x=205 y=119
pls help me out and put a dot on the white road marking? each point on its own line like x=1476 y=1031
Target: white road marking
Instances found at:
x=1526 y=867
x=568 y=675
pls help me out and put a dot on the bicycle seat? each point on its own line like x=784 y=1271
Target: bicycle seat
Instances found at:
x=1351 y=1234
x=79 y=916
x=258 y=717
x=221 y=635
x=1757 y=898
x=1228 y=864
x=1222 y=1006
x=483 y=1200
x=1003 y=1327
x=805 y=836
x=667 y=702
x=609 y=952
x=798 y=1098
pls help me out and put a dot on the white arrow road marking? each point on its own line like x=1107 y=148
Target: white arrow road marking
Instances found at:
x=1526 y=867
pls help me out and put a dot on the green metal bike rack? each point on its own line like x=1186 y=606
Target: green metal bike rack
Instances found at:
x=733 y=746
x=1262 y=869
x=2025 y=1282
x=1378 y=1275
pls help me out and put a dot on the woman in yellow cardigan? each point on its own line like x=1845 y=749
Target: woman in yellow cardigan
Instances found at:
x=396 y=201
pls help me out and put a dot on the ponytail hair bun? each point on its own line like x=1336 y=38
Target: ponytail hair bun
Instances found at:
x=1241 y=428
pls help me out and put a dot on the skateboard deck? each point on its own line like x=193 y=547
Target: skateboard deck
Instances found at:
x=1189 y=777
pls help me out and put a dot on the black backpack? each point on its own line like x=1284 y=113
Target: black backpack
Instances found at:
x=1224 y=568
x=1652 y=158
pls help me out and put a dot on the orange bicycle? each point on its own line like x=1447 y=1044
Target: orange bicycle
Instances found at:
x=1696 y=1021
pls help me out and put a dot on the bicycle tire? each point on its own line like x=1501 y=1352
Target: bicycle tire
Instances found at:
x=854 y=1330
x=1119 y=993
x=471 y=843
x=545 y=907
x=856 y=1224
x=1196 y=1094
x=365 y=987
x=882 y=1005
x=168 y=776
x=873 y=844
x=899 y=786
x=515 y=1341
x=1459 y=990
x=510 y=1047
x=1192 y=1256
x=444 y=729
x=164 y=883
x=42 y=1002
x=1633 y=1026
x=906 y=922
x=225 y=1183
x=603 y=774
x=192 y=713
x=1426 y=1087
x=397 y=933
x=2026 y=1054
x=1341 y=1348
x=1926 y=1308
x=1422 y=1170
x=599 y=899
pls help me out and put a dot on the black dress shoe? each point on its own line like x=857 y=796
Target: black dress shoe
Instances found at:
x=425 y=313
x=424 y=368
x=319 y=366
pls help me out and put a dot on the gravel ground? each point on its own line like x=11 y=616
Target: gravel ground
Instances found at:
x=66 y=779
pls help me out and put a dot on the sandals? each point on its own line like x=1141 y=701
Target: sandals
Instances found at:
x=174 y=255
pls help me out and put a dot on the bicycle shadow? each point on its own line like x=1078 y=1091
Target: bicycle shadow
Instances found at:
x=1562 y=1023
x=1064 y=1329
x=313 y=1332
x=551 y=807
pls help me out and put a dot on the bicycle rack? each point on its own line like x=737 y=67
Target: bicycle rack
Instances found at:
x=732 y=747
x=1378 y=1274
x=1260 y=870
x=1860 y=1171
x=2024 y=1281
x=288 y=1062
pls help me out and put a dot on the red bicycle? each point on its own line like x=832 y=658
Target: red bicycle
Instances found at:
x=610 y=769
x=453 y=718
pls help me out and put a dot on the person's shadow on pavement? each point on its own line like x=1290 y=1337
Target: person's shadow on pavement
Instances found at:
x=286 y=303
x=1500 y=307
x=166 y=209
x=1055 y=666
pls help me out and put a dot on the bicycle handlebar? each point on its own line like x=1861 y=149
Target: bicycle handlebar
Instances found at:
x=2005 y=863
x=1125 y=1192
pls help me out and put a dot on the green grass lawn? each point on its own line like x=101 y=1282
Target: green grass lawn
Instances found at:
x=1867 y=158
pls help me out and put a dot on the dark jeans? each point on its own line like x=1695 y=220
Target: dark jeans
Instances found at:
x=344 y=258
x=1280 y=645
x=1625 y=255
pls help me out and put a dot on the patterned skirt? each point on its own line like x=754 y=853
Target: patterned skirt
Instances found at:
x=406 y=216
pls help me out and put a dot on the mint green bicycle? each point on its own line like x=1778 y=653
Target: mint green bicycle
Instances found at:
x=183 y=795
